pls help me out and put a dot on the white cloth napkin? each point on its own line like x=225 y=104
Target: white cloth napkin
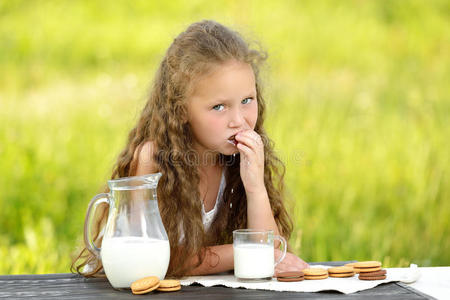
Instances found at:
x=343 y=285
x=434 y=281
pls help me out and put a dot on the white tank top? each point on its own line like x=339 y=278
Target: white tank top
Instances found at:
x=208 y=217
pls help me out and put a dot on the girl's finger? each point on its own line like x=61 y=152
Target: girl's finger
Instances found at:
x=246 y=150
x=251 y=142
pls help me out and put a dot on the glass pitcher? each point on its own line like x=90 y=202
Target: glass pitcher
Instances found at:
x=135 y=243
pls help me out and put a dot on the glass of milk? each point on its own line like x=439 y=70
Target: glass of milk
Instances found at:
x=254 y=254
x=135 y=243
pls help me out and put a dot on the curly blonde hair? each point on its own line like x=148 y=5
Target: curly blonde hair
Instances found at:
x=192 y=54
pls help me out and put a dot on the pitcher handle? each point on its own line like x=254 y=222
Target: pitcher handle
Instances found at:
x=284 y=244
x=98 y=199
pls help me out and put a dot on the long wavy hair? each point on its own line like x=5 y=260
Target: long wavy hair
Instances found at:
x=191 y=55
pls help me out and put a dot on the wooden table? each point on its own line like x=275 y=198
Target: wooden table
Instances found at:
x=73 y=286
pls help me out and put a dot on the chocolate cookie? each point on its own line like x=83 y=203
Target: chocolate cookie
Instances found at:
x=372 y=278
x=290 y=276
x=378 y=275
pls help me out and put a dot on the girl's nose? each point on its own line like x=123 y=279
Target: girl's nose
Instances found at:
x=237 y=118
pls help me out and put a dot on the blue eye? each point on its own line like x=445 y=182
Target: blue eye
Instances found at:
x=215 y=107
x=245 y=100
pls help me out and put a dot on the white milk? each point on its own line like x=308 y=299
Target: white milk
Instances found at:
x=126 y=259
x=253 y=261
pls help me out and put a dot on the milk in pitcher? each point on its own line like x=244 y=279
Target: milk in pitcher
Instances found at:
x=126 y=259
x=253 y=261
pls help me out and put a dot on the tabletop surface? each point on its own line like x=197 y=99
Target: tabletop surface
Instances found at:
x=73 y=286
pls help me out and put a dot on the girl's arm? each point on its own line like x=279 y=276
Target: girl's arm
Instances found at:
x=143 y=160
x=259 y=216
x=217 y=259
x=259 y=211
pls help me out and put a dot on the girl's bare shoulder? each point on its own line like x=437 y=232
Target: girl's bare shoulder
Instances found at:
x=143 y=158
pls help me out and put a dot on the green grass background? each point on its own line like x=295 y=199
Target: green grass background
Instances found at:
x=358 y=106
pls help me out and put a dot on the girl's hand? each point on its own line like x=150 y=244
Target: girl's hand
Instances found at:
x=251 y=149
x=291 y=262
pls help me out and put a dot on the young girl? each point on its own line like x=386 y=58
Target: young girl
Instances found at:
x=202 y=128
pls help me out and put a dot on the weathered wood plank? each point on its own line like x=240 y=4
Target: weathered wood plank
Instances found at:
x=103 y=290
x=72 y=286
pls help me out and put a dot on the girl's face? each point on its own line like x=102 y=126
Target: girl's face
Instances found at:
x=222 y=104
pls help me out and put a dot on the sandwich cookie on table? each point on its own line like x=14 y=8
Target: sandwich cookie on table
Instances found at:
x=370 y=270
x=290 y=276
x=341 y=272
x=145 y=285
x=315 y=273
x=352 y=265
x=367 y=266
x=169 y=285
x=148 y=284
x=377 y=275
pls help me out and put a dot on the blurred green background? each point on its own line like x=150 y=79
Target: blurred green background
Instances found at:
x=358 y=106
